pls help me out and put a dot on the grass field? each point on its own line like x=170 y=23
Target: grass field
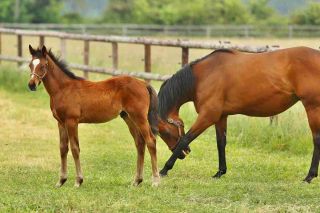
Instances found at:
x=266 y=164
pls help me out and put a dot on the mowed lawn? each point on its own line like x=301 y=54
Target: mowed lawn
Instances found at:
x=266 y=164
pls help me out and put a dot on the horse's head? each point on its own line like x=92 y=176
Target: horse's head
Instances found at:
x=171 y=131
x=38 y=66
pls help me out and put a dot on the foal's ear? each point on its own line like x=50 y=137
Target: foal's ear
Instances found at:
x=31 y=50
x=44 y=51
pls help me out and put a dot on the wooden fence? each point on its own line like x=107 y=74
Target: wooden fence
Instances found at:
x=114 y=41
x=209 y=31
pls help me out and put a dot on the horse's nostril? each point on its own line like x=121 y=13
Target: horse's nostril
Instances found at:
x=32 y=87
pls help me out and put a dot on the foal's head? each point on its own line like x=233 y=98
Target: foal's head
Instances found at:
x=38 y=66
x=171 y=131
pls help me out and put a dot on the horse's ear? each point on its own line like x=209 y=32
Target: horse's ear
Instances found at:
x=31 y=50
x=44 y=51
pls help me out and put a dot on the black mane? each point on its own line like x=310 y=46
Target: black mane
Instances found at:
x=176 y=90
x=180 y=88
x=60 y=63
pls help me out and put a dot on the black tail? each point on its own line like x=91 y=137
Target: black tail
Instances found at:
x=153 y=110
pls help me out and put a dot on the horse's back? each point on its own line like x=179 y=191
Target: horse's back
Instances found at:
x=111 y=96
x=257 y=84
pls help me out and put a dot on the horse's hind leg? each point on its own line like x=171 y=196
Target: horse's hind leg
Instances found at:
x=150 y=140
x=151 y=144
x=221 y=132
x=314 y=122
x=140 y=145
x=63 y=154
x=72 y=128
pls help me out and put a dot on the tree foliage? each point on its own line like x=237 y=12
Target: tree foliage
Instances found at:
x=308 y=16
x=31 y=11
x=189 y=12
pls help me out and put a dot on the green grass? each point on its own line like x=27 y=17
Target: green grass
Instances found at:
x=265 y=163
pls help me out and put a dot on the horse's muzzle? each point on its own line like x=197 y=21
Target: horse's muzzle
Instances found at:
x=32 y=86
x=184 y=153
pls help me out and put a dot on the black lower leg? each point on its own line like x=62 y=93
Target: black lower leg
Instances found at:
x=183 y=144
x=313 y=171
x=221 y=145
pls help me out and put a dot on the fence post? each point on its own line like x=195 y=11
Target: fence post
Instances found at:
x=19 y=47
x=147 y=58
x=0 y=45
x=41 y=41
x=290 y=29
x=246 y=31
x=185 y=56
x=63 y=48
x=208 y=31
x=124 y=30
x=114 y=56
x=86 y=57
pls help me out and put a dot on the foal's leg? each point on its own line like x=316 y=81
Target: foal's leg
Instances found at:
x=221 y=134
x=314 y=122
x=63 y=153
x=72 y=127
x=150 y=140
x=140 y=145
x=151 y=144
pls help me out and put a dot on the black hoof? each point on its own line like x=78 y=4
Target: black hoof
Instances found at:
x=163 y=173
x=309 y=178
x=219 y=174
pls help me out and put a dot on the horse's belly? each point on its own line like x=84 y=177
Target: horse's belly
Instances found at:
x=98 y=118
x=99 y=114
x=267 y=106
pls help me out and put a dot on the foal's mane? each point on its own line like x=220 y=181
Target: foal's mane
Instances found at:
x=180 y=87
x=60 y=63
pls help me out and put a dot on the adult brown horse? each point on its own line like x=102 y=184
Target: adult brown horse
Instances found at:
x=229 y=82
x=74 y=100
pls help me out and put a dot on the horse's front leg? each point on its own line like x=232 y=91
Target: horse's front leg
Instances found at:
x=202 y=123
x=221 y=135
x=72 y=128
x=63 y=153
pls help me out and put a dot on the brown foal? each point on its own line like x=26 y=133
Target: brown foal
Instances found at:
x=74 y=100
x=229 y=82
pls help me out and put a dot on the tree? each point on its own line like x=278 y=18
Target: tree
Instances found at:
x=34 y=11
x=262 y=13
x=119 y=11
x=308 y=16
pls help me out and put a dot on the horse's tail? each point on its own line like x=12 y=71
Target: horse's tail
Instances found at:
x=153 y=110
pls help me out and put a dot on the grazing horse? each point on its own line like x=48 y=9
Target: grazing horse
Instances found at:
x=74 y=100
x=228 y=82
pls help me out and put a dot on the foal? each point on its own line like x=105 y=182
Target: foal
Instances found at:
x=74 y=100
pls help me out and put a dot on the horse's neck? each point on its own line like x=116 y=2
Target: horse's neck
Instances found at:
x=55 y=80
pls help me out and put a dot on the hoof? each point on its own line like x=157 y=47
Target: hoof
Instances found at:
x=155 y=181
x=219 y=174
x=155 y=184
x=309 y=178
x=137 y=182
x=61 y=182
x=79 y=181
x=163 y=173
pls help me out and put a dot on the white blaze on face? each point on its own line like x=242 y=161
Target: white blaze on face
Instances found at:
x=35 y=63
